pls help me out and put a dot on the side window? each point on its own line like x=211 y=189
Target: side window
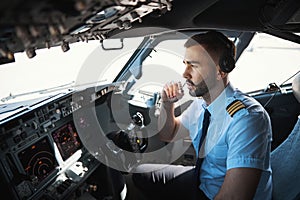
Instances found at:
x=266 y=60
x=164 y=65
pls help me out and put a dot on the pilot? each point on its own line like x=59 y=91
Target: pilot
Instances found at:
x=230 y=131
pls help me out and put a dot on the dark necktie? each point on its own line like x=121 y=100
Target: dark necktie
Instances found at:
x=205 y=124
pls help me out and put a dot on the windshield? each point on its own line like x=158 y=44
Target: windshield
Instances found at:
x=53 y=69
x=266 y=60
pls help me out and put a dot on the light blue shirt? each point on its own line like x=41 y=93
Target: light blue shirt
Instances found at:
x=243 y=140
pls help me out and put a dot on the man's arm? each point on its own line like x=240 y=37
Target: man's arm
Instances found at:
x=249 y=144
x=239 y=183
x=168 y=124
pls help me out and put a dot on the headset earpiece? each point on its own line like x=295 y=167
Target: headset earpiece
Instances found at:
x=226 y=63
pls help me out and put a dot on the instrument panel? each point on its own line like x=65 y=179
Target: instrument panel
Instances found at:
x=50 y=147
x=41 y=154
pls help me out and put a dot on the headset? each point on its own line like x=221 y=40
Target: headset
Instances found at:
x=226 y=60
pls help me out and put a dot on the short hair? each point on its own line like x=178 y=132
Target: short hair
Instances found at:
x=214 y=42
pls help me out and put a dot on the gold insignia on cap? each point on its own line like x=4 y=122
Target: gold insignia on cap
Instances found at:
x=234 y=107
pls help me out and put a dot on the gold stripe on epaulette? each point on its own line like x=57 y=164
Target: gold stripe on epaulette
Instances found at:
x=234 y=107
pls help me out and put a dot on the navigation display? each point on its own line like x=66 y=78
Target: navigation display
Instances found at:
x=38 y=160
x=67 y=140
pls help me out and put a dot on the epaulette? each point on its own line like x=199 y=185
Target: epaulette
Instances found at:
x=234 y=107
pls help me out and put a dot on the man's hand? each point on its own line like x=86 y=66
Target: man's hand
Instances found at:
x=172 y=92
x=170 y=126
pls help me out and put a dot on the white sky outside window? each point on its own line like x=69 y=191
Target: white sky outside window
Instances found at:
x=52 y=67
x=266 y=60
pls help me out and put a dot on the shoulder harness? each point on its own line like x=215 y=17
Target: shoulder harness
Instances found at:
x=234 y=107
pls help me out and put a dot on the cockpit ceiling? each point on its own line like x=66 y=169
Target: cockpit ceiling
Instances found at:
x=35 y=24
x=32 y=25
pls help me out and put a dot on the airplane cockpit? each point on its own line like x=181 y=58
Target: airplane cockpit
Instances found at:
x=83 y=135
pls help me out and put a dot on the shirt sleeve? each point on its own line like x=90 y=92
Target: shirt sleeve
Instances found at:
x=190 y=117
x=249 y=138
x=184 y=118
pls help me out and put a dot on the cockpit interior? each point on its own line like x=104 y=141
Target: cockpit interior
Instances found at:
x=83 y=140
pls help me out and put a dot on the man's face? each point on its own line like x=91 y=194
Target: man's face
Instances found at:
x=200 y=72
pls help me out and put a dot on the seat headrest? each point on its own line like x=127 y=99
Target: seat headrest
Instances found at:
x=296 y=87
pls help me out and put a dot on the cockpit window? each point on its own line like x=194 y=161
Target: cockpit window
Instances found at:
x=163 y=65
x=85 y=64
x=266 y=60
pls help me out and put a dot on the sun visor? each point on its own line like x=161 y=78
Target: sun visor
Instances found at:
x=280 y=12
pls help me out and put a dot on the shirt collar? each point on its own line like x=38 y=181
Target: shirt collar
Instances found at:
x=218 y=107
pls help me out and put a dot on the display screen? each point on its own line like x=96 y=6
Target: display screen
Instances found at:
x=38 y=160
x=67 y=140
